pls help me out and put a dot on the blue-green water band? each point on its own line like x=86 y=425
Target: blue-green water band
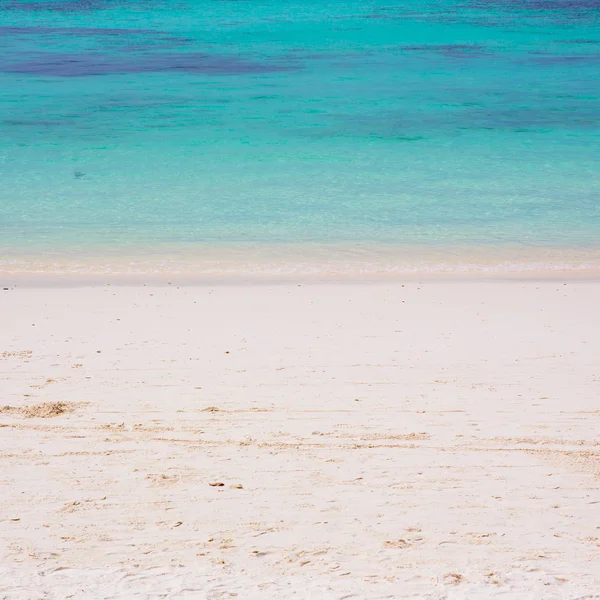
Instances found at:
x=139 y=129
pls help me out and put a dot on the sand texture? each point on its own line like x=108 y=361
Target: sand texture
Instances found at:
x=328 y=441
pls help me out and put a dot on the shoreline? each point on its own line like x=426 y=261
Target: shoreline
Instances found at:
x=297 y=263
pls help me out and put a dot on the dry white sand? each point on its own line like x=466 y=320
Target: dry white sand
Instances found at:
x=434 y=440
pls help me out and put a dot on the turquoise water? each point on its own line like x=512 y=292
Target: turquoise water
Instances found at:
x=148 y=127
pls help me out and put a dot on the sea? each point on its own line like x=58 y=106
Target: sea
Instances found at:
x=299 y=137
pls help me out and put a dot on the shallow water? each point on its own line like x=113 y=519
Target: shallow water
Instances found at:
x=139 y=129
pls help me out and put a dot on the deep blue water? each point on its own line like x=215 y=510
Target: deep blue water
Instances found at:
x=152 y=126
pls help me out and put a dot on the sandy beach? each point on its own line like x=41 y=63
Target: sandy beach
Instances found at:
x=434 y=439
